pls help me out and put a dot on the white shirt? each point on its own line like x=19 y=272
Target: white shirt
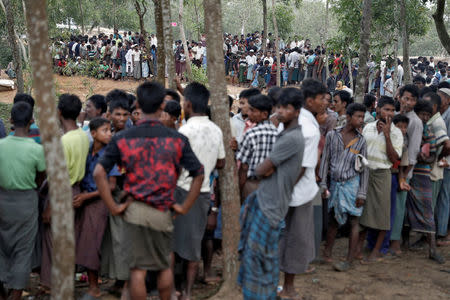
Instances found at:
x=294 y=58
x=270 y=59
x=206 y=141
x=251 y=60
x=400 y=73
x=389 y=84
x=137 y=55
x=154 y=41
x=199 y=53
x=237 y=127
x=234 y=49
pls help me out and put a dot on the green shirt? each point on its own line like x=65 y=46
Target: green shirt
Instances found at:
x=76 y=147
x=20 y=159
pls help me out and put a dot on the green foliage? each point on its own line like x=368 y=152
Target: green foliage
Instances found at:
x=198 y=75
x=285 y=17
x=5 y=115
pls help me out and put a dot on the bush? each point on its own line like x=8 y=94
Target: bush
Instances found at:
x=198 y=75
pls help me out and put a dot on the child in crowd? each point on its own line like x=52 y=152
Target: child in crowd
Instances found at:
x=240 y=122
x=34 y=132
x=95 y=107
x=118 y=109
x=171 y=114
x=22 y=164
x=136 y=113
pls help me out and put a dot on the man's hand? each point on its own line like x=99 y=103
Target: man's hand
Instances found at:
x=404 y=186
x=233 y=144
x=119 y=209
x=47 y=215
x=212 y=221
x=79 y=199
x=179 y=210
x=359 y=202
x=386 y=127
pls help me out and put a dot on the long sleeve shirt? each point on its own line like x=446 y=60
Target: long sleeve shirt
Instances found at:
x=339 y=161
x=414 y=134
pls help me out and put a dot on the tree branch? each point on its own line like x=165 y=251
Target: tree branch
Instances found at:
x=438 y=17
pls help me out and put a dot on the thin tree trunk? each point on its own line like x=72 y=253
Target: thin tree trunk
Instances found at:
x=141 y=10
x=405 y=36
x=327 y=69
x=441 y=28
x=161 y=56
x=7 y=6
x=183 y=40
x=168 y=43
x=277 y=44
x=27 y=60
x=114 y=15
x=63 y=260
x=229 y=194
x=81 y=16
x=395 y=79
x=349 y=66
x=264 y=35
x=364 y=47
x=198 y=20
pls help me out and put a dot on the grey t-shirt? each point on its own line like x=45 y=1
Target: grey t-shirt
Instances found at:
x=274 y=192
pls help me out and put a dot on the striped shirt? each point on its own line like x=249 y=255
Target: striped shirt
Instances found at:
x=340 y=161
x=428 y=138
x=376 y=145
x=437 y=126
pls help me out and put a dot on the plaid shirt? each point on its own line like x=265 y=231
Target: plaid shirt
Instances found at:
x=256 y=145
x=152 y=156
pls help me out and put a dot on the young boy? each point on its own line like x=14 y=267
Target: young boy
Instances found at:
x=94 y=213
x=171 y=114
x=256 y=144
x=34 y=129
x=262 y=71
x=76 y=147
x=21 y=164
x=239 y=121
x=95 y=107
x=348 y=187
x=151 y=156
x=118 y=109
x=263 y=212
x=341 y=100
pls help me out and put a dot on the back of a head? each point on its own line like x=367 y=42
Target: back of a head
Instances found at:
x=434 y=99
x=173 y=108
x=385 y=100
x=444 y=84
x=400 y=118
x=274 y=94
x=173 y=94
x=97 y=122
x=150 y=96
x=261 y=102
x=344 y=96
x=423 y=106
x=249 y=92
x=425 y=90
x=70 y=106
x=22 y=97
x=312 y=87
x=411 y=88
x=419 y=79
x=355 y=107
x=99 y=102
x=198 y=95
x=21 y=114
x=292 y=96
x=369 y=100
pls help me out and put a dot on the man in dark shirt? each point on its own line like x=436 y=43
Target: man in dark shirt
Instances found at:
x=152 y=157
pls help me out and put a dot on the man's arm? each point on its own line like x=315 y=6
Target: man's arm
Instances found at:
x=104 y=190
x=242 y=173
x=192 y=195
x=265 y=169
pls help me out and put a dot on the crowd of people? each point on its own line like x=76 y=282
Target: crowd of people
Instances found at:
x=309 y=162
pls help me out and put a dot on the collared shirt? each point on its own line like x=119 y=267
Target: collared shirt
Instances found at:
x=306 y=188
x=206 y=140
x=237 y=127
x=341 y=121
x=88 y=184
x=152 y=156
x=376 y=145
x=437 y=126
x=340 y=161
x=256 y=145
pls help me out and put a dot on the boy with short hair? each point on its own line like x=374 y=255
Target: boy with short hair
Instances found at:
x=171 y=114
x=21 y=164
x=118 y=109
x=239 y=121
x=152 y=156
x=34 y=132
x=263 y=212
x=256 y=144
x=341 y=99
x=348 y=186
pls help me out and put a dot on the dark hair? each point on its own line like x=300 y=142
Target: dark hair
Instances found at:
x=411 y=88
x=444 y=84
x=261 y=103
x=173 y=108
x=97 y=122
x=274 y=94
x=369 y=100
x=230 y=101
x=116 y=94
x=249 y=92
x=175 y=96
x=198 y=95
x=354 y=107
x=434 y=99
x=99 y=102
x=419 y=78
x=425 y=90
x=70 y=106
x=118 y=104
x=344 y=96
x=131 y=100
x=21 y=114
x=385 y=100
x=400 y=118
x=292 y=96
x=423 y=106
x=312 y=88
x=24 y=98
x=150 y=96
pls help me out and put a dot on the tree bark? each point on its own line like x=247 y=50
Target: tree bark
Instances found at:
x=229 y=194
x=141 y=10
x=81 y=16
x=63 y=260
x=161 y=57
x=7 y=5
x=405 y=36
x=364 y=47
x=349 y=66
x=168 y=44
x=395 y=79
x=277 y=44
x=183 y=40
x=327 y=69
x=441 y=29
x=264 y=35
x=26 y=55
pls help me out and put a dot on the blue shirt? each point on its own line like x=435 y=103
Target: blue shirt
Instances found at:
x=88 y=183
x=34 y=133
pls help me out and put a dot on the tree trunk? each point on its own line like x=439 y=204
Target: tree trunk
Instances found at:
x=229 y=194
x=161 y=57
x=277 y=44
x=114 y=15
x=439 y=22
x=395 y=79
x=364 y=46
x=405 y=36
x=7 y=5
x=81 y=16
x=327 y=69
x=141 y=10
x=264 y=35
x=183 y=40
x=349 y=66
x=168 y=44
x=26 y=54
x=198 y=20
x=63 y=260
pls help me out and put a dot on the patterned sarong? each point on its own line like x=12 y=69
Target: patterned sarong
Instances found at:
x=419 y=204
x=258 y=249
x=343 y=199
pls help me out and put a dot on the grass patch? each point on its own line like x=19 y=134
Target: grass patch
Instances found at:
x=5 y=115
